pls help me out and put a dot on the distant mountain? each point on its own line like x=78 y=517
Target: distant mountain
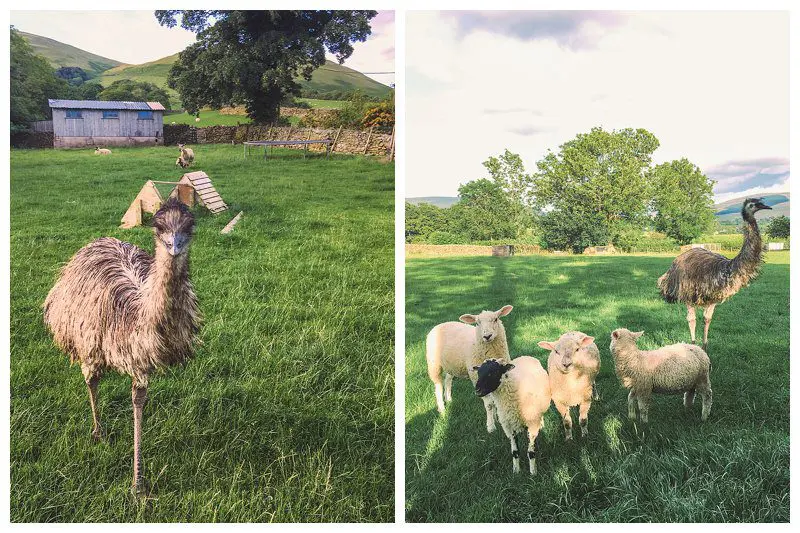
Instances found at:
x=63 y=55
x=730 y=210
x=438 y=201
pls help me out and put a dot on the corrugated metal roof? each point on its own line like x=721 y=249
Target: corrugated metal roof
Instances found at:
x=156 y=106
x=99 y=104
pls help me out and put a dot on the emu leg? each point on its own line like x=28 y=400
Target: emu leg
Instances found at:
x=708 y=313
x=448 y=387
x=139 y=398
x=92 y=381
x=692 y=319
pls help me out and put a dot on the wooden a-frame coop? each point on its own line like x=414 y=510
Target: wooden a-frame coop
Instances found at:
x=194 y=187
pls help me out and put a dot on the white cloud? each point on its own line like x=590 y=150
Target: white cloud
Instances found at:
x=712 y=87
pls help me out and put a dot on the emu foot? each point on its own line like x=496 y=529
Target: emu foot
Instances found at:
x=141 y=488
x=98 y=435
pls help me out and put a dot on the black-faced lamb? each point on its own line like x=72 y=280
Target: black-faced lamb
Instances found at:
x=520 y=390
x=668 y=370
x=572 y=366
x=456 y=347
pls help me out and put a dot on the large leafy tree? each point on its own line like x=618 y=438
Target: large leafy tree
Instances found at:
x=32 y=82
x=600 y=176
x=253 y=57
x=682 y=200
x=483 y=212
x=135 y=91
x=508 y=172
x=778 y=228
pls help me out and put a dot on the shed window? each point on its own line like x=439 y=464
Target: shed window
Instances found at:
x=145 y=115
x=74 y=113
x=110 y=114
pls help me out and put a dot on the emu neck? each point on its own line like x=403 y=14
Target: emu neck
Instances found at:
x=164 y=281
x=750 y=254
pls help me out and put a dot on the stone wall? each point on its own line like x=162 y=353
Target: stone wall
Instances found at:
x=37 y=139
x=347 y=141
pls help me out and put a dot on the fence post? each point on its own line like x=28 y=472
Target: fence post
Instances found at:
x=333 y=146
x=369 y=136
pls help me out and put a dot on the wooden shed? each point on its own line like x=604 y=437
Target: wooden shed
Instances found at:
x=89 y=123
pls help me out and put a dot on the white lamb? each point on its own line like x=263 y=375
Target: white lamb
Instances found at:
x=521 y=392
x=572 y=365
x=101 y=151
x=456 y=347
x=671 y=369
x=197 y=119
x=186 y=153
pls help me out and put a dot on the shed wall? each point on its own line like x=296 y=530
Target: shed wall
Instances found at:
x=93 y=129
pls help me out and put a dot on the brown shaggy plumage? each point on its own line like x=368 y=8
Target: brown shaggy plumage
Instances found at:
x=116 y=307
x=699 y=277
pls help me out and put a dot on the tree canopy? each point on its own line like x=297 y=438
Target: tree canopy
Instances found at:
x=135 y=91
x=683 y=200
x=252 y=58
x=778 y=227
x=32 y=82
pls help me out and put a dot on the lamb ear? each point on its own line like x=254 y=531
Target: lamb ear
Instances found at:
x=546 y=345
x=505 y=310
x=587 y=341
x=615 y=334
x=475 y=368
x=509 y=366
x=468 y=319
x=637 y=334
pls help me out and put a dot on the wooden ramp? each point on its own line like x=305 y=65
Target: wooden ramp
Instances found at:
x=192 y=187
x=205 y=192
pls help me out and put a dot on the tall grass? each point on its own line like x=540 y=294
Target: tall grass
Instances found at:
x=732 y=468
x=286 y=412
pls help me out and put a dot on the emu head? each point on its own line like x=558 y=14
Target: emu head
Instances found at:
x=624 y=336
x=565 y=348
x=488 y=326
x=491 y=373
x=751 y=206
x=173 y=226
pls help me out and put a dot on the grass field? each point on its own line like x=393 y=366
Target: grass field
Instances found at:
x=734 y=467
x=286 y=412
x=208 y=117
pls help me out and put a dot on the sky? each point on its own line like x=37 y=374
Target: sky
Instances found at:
x=135 y=37
x=712 y=86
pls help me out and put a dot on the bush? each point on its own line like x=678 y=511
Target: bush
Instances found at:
x=626 y=236
x=443 y=237
x=779 y=227
x=561 y=230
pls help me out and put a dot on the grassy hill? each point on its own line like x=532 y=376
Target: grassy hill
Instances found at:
x=438 y=201
x=64 y=55
x=730 y=210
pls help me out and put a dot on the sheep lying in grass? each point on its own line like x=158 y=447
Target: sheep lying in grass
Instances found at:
x=187 y=154
x=101 y=151
x=572 y=365
x=671 y=369
x=520 y=390
x=181 y=162
x=456 y=347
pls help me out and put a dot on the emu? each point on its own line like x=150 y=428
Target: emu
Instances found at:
x=701 y=278
x=116 y=307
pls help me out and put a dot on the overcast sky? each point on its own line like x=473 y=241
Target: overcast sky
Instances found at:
x=712 y=86
x=135 y=37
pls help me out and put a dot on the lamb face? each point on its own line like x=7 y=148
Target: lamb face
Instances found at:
x=487 y=324
x=490 y=375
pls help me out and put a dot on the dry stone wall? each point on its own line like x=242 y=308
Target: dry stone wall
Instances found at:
x=346 y=141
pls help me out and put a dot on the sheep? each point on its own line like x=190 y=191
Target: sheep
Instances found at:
x=186 y=153
x=181 y=162
x=172 y=123
x=572 y=365
x=671 y=369
x=520 y=390
x=197 y=119
x=455 y=347
x=101 y=151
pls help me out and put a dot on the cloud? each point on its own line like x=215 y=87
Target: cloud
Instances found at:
x=491 y=111
x=527 y=131
x=749 y=175
x=571 y=29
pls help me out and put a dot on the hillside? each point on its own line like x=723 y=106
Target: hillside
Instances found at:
x=329 y=77
x=730 y=210
x=438 y=201
x=64 y=55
